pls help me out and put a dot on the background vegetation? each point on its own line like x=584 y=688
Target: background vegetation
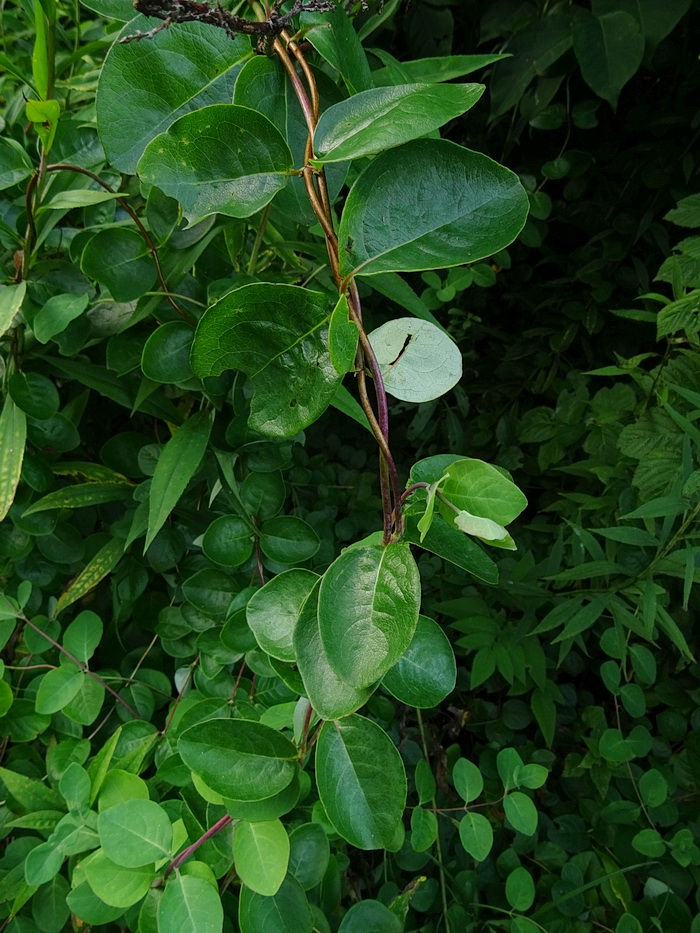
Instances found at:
x=581 y=379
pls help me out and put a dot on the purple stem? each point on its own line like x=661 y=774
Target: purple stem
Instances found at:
x=185 y=854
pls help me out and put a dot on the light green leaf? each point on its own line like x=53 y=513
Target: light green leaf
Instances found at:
x=361 y=782
x=424 y=829
x=342 y=338
x=261 y=855
x=273 y=611
x=427 y=672
x=11 y=298
x=29 y=794
x=609 y=49
x=419 y=361
x=278 y=336
x=467 y=779
x=140 y=95
x=56 y=314
x=15 y=163
x=176 y=466
x=614 y=747
x=114 y=884
x=222 y=159
x=375 y=120
x=190 y=905
x=81 y=495
x=135 y=833
x=42 y=864
x=97 y=569
x=476 y=835
x=520 y=889
x=330 y=696
x=287 y=911
x=449 y=543
x=482 y=490
x=239 y=758
x=13 y=437
x=482 y=528
x=82 y=197
x=58 y=687
x=521 y=813
x=368 y=610
x=83 y=635
x=396 y=220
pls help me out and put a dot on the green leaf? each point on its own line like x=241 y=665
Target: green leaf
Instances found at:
x=370 y=916
x=88 y=907
x=261 y=855
x=140 y=95
x=628 y=923
x=278 y=336
x=82 y=197
x=11 y=297
x=190 y=905
x=520 y=889
x=483 y=528
x=85 y=706
x=273 y=611
x=177 y=464
x=467 y=779
x=361 y=782
x=83 y=635
x=13 y=437
x=97 y=569
x=441 y=68
x=135 y=833
x=114 y=884
x=418 y=360
x=330 y=696
x=396 y=220
x=521 y=813
x=42 y=864
x=649 y=842
x=609 y=49
x=424 y=829
x=166 y=353
x=287 y=911
x=509 y=764
x=343 y=336
x=309 y=854
x=222 y=159
x=333 y=36
x=452 y=545
x=653 y=788
x=482 y=490
x=15 y=163
x=288 y=540
x=239 y=758
x=120 y=260
x=81 y=495
x=29 y=794
x=75 y=787
x=58 y=687
x=368 y=610
x=374 y=120
x=476 y=835
x=532 y=776
x=119 y=786
x=36 y=395
x=270 y=808
x=614 y=747
x=427 y=672
x=228 y=540
x=49 y=907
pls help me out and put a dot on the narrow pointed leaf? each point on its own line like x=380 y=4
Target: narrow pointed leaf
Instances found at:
x=13 y=437
x=368 y=610
x=222 y=159
x=334 y=37
x=97 y=569
x=176 y=466
x=396 y=220
x=361 y=781
x=278 y=336
x=11 y=298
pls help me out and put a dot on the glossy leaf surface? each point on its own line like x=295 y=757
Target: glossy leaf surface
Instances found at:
x=273 y=611
x=261 y=855
x=427 y=672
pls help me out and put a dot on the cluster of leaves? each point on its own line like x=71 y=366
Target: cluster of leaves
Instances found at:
x=187 y=645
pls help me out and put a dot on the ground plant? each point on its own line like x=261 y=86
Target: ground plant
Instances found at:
x=349 y=474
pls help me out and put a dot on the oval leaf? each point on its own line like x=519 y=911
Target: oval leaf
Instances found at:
x=140 y=95
x=396 y=219
x=418 y=360
x=368 y=610
x=239 y=758
x=261 y=855
x=427 y=672
x=273 y=611
x=222 y=159
x=361 y=782
x=191 y=904
x=135 y=833
x=480 y=489
x=287 y=911
x=476 y=835
x=521 y=813
x=380 y=118
x=277 y=335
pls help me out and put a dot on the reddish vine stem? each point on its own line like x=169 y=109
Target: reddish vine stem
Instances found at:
x=67 y=167
x=191 y=849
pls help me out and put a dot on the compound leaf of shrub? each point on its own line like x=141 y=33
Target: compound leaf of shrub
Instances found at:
x=330 y=696
x=273 y=611
x=13 y=437
x=521 y=813
x=396 y=220
x=278 y=336
x=476 y=835
x=427 y=672
x=418 y=360
x=361 y=781
x=176 y=466
x=287 y=911
x=189 y=903
x=380 y=118
x=261 y=855
x=135 y=833
x=222 y=159
x=239 y=758
x=140 y=95
x=368 y=610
